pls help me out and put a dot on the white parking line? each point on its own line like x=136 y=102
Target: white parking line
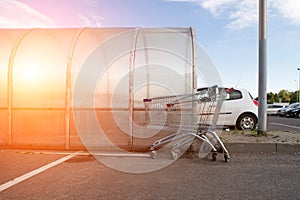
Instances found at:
x=103 y=153
x=35 y=172
x=296 y=127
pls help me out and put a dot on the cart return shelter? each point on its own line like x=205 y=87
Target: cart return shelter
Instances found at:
x=69 y=88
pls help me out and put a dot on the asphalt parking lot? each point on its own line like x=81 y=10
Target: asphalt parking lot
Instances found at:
x=28 y=174
x=246 y=176
x=276 y=123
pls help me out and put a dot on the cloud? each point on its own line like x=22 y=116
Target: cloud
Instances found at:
x=90 y=20
x=289 y=9
x=14 y=14
x=240 y=13
x=244 y=13
x=216 y=7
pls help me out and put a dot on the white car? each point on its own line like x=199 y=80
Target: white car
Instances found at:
x=272 y=109
x=239 y=109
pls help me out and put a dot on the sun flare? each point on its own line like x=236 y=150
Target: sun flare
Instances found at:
x=31 y=74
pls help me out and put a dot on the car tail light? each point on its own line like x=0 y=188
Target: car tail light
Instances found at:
x=255 y=102
x=229 y=89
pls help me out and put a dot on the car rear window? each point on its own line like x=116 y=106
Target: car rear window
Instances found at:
x=233 y=94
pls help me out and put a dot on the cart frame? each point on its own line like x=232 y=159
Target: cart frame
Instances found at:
x=187 y=117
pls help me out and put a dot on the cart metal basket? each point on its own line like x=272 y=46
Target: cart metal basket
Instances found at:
x=187 y=117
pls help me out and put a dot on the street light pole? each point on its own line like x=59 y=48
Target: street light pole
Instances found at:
x=297 y=97
x=262 y=74
x=299 y=85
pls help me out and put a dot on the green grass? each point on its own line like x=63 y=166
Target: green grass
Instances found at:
x=274 y=136
x=254 y=134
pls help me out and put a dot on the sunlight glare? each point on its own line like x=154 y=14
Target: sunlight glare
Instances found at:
x=31 y=74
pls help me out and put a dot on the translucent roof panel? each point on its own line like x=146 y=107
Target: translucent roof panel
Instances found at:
x=39 y=69
x=56 y=84
x=8 y=40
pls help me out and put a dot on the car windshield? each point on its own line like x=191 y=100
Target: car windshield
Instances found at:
x=297 y=106
x=293 y=105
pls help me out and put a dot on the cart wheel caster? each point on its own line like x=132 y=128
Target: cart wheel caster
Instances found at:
x=175 y=153
x=226 y=157
x=153 y=154
x=214 y=156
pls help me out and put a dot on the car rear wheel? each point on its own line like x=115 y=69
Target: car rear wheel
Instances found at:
x=246 y=122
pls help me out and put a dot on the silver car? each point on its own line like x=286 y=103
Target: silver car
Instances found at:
x=282 y=112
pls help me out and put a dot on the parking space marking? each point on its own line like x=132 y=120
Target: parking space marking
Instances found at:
x=36 y=171
x=296 y=127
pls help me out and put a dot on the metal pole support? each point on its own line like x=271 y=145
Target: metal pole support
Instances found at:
x=299 y=85
x=262 y=77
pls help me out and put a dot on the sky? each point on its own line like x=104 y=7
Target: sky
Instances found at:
x=226 y=29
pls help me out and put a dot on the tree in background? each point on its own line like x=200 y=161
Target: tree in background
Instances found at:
x=276 y=97
x=294 y=97
x=271 y=98
x=283 y=96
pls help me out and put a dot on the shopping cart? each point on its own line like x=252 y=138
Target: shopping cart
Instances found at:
x=187 y=117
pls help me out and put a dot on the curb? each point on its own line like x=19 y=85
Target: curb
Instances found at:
x=232 y=147
x=238 y=147
x=250 y=147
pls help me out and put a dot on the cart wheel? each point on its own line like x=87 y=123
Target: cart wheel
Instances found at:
x=175 y=153
x=153 y=154
x=226 y=157
x=214 y=156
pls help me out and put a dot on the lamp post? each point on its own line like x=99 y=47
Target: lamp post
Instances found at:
x=299 y=85
x=262 y=66
x=297 y=97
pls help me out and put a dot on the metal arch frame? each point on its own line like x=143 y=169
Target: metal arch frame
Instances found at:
x=147 y=62
x=10 y=81
x=194 y=59
x=69 y=86
x=194 y=66
x=131 y=84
